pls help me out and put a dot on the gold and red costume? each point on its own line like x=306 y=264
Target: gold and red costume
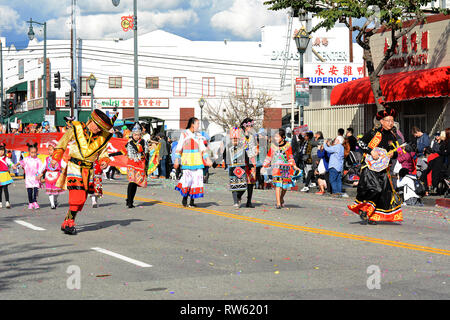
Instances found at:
x=85 y=149
x=78 y=176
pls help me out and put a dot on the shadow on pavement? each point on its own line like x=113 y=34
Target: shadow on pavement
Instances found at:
x=105 y=225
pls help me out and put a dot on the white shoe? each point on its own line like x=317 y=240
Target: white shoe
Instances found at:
x=305 y=189
x=8 y=205
x=1 y=205
x=312 y=185
x=344 y=195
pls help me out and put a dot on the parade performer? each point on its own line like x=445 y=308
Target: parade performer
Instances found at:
x=33 y=168
x=98 y=184
x=192 y=156
x=376 y=199
x=238 y=158
x=51 y=174
x=283 y=164
x=88 y=144
x=137 y=150
x=5 y=177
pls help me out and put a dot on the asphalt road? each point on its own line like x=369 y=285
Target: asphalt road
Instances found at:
x=314 y=249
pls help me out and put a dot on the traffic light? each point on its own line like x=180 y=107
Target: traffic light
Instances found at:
x=10 y=107
x=4 y=112
x=57 y=80
x=51 y=98
x=68 y=99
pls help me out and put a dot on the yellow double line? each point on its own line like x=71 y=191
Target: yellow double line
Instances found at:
x=295 y=227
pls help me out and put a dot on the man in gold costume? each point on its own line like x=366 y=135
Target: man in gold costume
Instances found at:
x=87 y=144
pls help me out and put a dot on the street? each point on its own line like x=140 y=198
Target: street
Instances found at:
x=313 y=249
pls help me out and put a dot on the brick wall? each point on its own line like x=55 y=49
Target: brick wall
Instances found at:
x=272 y=118
x=185 y=115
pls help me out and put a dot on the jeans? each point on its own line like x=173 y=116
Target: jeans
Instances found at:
x=335 y=180
x=32 y=194
x=163 y=166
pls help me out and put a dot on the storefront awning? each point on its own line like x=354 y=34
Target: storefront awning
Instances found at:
x=431 y=83
x=18 y=87
x=32 y=116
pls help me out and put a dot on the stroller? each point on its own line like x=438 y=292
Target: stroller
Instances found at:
x=352 y=168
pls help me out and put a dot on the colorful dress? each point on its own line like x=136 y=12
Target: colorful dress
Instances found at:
x=191 y=152
x=5 y=177
x=283 y=162
x=98 y=180
x=376 y=194
x=33 y=167
x=137 y=162
x=51 y=177
x=240 y=159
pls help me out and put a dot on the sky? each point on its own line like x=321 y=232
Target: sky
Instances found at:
x=99 y=19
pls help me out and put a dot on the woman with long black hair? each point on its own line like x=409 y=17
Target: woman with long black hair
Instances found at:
x=191 y=155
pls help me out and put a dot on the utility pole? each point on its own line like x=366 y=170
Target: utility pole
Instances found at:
x=74 y=106
x=136 y=78
x=1 y=80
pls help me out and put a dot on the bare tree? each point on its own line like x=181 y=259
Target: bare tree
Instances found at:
x=233 y=108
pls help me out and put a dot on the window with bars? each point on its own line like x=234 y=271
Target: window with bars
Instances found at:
x=115 y=82
x=209 y=87
x=152 y=82
x=32 y=90
x=39 y=88
x=179 y=87
x=84 y=86
x=242 y=87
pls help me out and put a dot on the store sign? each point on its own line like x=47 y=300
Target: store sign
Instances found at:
x=332 y=74
x=150 y=103
x=302 y=91
x=408 y=53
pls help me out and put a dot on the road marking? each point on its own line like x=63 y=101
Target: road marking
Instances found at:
x=294 y=227
x=119 y=256
x=29 y=225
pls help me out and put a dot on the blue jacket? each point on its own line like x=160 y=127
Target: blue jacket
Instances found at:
x=422 y=143
x=325 y=156
x=336 y=157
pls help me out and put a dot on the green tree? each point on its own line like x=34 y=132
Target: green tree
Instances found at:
x=388 y=14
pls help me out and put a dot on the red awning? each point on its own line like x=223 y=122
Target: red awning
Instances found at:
x=396 y=87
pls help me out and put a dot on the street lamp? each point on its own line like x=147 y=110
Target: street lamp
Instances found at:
x=136 y=78
x=92 y=81
x=44 y=77
x=302 y=39
x=201 y=103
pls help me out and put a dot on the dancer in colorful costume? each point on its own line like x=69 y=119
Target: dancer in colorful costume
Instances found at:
x=376 y=199
x=88 y=144
x=51 y=174
x=239 y=157
x=192 y=156
x=283 y=164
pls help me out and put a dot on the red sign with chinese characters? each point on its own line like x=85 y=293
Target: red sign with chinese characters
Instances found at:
x=409 y=53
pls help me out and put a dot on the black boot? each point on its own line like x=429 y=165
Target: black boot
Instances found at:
x=249 y=196
x=184 y=202
x=192 y=204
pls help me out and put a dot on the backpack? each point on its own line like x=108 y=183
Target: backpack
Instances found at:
x=418 y=186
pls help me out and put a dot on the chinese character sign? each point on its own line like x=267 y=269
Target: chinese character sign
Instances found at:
x=332 y=74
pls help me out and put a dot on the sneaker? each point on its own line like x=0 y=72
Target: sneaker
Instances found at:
x=35 y=205
x=305 y=189
x=30 y=206
x=8 y=205
x=320 y=192
x=344 y=195
x=312 y=185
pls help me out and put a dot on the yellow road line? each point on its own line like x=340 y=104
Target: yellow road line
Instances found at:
x=294 y=227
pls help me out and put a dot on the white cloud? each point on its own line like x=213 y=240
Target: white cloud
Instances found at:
x=245 y=18
x=10 y=20
x=102 y=26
